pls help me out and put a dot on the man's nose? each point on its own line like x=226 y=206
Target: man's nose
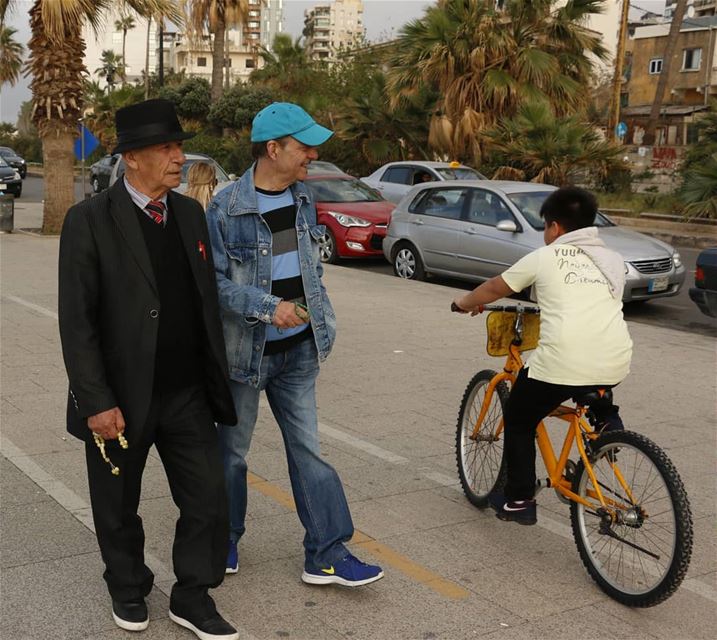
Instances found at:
x=313 y=153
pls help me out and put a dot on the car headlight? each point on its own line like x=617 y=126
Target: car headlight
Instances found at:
x=346 y=220
x=627 y=269
x=17 y=176
x=676 y=260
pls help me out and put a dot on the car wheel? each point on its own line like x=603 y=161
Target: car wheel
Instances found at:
x=327 y=248
x=96 y=184
x=407 y=263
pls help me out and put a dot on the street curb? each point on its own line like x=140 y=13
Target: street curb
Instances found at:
x=683 y=234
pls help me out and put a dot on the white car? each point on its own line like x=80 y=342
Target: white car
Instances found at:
x=395 y=179
x=223 y=179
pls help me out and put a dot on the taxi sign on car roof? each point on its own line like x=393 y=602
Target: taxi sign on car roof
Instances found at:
x=454 y=164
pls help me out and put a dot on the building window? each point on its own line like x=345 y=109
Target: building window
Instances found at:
x=249 y=63
x=201 y=62
x=691 y=59
x=655 y=66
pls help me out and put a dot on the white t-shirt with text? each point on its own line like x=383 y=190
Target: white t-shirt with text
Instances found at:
x=583 y=336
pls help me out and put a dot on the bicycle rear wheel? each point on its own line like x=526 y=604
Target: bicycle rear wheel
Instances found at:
x=639 y=547
x=480 y=462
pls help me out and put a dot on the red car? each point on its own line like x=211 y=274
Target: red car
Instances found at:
x=355 y=215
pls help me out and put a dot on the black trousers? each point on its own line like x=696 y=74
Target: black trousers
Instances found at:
x=529 y=402
x=180 y=425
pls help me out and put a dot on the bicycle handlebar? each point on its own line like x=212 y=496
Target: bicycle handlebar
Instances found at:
x=519 y=308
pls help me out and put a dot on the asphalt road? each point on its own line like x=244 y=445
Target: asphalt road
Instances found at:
x=678 y=312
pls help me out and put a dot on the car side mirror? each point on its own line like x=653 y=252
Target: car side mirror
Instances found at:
x=508 y=226
x=232 y=176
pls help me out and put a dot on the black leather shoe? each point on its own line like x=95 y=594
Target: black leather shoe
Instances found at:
x=213 y=628
x=130 y=615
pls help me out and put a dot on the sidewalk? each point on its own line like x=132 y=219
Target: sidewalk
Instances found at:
x=388 y=400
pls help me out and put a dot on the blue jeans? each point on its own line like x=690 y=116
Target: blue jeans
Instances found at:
x=289 y=379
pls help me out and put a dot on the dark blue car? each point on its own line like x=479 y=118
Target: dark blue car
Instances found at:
x=704 y=293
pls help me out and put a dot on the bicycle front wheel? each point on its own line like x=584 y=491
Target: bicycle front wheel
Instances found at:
x=638 y=546
x=480 y=461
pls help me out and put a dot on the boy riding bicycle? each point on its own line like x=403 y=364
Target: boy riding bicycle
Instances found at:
x=584 y=342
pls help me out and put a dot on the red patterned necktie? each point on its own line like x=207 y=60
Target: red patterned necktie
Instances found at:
x=156 y=209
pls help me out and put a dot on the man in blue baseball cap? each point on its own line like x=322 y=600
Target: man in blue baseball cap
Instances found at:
x=278 y=326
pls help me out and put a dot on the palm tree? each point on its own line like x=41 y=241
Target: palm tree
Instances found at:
x=214 y=16
x=10 y=55
x=699 y=190
x=536 y=145
x=112 y=65
x=124 y=24
x=485 y=62
x=286 y=66
x=56 y=53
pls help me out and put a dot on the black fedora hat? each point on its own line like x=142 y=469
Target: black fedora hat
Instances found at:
x=147 y=123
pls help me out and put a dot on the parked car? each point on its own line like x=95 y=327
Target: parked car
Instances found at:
x=14 y=160
x=704 y=293
x=475 y=230
x=101 y=171
x=10 y=180
x=223 y=179
x=320 y=167
x=355 y=216
x=395 y=179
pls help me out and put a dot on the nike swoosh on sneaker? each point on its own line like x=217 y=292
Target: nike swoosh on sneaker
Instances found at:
x=507 y=508
x=330 y=571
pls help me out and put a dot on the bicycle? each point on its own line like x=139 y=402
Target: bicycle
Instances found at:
x=629 y=511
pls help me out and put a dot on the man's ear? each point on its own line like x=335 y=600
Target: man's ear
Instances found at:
x=130 y=159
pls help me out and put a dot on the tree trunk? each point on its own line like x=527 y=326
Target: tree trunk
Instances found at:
x=667 y=64
x=146 y=62
x=58 y=161
x=218 y=61
x=124 y=60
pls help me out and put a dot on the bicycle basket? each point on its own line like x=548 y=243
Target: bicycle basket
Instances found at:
x=499 y=325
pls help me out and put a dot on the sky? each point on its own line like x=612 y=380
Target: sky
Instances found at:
x=382 y=18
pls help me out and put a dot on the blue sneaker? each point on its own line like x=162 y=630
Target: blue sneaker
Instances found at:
x=232 y=558
x=520 y=511
x=349 y=572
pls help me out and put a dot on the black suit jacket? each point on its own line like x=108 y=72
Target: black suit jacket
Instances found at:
x=109 y=309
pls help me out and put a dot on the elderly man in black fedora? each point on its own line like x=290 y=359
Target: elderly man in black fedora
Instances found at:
x=145 y=357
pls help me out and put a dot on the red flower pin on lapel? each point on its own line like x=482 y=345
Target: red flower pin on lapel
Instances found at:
x=202 y=249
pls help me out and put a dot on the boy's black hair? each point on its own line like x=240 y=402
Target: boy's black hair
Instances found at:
x=571 y=207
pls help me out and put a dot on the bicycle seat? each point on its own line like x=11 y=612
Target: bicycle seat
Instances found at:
x=591 y=397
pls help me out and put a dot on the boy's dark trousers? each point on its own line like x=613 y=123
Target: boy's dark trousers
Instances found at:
x=529 y=402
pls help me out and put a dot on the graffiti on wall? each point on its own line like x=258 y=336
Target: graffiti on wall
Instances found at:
x=664 y=158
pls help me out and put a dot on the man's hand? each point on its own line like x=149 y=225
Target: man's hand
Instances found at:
x=108 y=424
x=285 y=316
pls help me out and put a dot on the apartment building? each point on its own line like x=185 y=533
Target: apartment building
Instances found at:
x=331 y=28
x=193 y=56
x=699 y=8
x=691 y=84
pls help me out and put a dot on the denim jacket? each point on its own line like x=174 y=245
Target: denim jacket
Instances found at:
x=241 y=245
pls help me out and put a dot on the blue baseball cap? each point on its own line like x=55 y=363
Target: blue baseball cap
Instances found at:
x=281 y=119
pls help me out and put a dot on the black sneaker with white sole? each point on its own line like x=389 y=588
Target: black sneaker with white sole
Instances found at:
x=131 y=615
x=212 y=628
x=520 y=511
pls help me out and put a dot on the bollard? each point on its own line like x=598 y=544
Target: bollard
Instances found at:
x=7 y=213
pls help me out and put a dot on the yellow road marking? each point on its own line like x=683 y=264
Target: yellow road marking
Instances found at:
x=384 y=553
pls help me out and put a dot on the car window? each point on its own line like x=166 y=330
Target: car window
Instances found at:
x=440 y=203
x=398 y=175
x=460 y=173
x=342 y=190
x=487 y=208
x=529 y=204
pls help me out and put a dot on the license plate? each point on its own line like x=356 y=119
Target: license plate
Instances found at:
x=658 y=284
x=3 y=186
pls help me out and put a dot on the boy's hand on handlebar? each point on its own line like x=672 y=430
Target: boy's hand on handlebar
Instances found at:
x=457 y=307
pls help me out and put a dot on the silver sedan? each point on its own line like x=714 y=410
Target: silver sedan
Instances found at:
x=474 y=230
